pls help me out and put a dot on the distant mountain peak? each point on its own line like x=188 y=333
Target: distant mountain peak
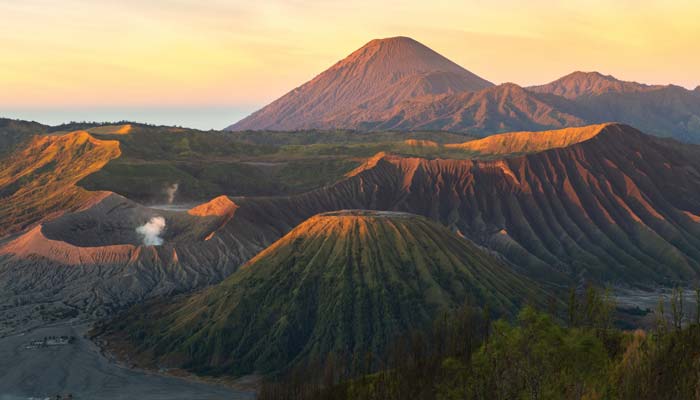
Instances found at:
x=393 y=41
x=372 y=79
x=397 y=56
x=579 y=74
x=582 y=84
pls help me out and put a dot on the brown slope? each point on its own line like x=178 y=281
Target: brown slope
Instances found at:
x=620 y=206
x=95 y=261
x=611 y=204
x=380 y=74
x=581 y=84
x=502 y=108
x=14 y=133
x=512 y=143
x=669 y=111
x=38 y=181
x=662 y=110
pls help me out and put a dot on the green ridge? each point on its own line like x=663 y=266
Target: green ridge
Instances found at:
x=340 y=282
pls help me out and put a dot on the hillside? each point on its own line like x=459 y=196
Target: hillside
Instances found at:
x=587 y=84
x=399 y=84
x=16 y=132
x=605 y=203
x=340 y=282
x=204 y=165
x=38 y=181
x=513 y=143
x=669 y=111
x=100 y=259
x=501 y=108
x=616 y=206
x=382 y=73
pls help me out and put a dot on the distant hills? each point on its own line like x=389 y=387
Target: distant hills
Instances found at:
x=346 y=282
x=399 y=84
x=589 y=84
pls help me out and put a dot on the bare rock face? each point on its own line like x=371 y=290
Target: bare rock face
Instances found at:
x=374 y=78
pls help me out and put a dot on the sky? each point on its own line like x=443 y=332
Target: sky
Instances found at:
x=206 y=64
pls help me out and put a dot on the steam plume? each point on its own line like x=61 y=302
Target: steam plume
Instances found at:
x=170 y=192
x=151 y=231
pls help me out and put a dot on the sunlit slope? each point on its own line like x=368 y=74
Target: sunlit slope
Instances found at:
x=340 y=282
x=206 y=164
x=620 y=206
x=38 y=180
x=527 y=142
x=372 y=79
x=590 y=84
x=14 y=133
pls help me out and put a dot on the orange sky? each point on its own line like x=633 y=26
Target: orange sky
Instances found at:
x=178 y=53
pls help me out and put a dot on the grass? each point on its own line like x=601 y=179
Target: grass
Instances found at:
x=334 y=284
x=207 y=164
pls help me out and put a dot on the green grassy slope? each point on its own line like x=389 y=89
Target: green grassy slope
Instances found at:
x=340 y=282
x=208 y=164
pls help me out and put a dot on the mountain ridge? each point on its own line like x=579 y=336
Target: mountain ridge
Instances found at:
x=579 y=84
x=394 y=100
x=54 y=163
x=380 y=74
x=609 y=204
x=620 y=204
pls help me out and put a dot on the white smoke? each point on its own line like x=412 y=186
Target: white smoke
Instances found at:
x=151 y=231
x=170 y=191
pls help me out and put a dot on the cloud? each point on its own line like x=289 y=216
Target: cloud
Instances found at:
x=151 y=231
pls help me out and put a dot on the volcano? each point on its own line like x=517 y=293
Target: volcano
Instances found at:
x=398 y=84
x=379 y=75
x=342 y=282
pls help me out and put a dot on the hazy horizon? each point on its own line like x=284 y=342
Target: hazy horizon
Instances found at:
x=188 y=55
x=197 y=117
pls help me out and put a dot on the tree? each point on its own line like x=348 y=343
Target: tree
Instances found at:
x=677 y=308
x=572 y=308
x=697 y=305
